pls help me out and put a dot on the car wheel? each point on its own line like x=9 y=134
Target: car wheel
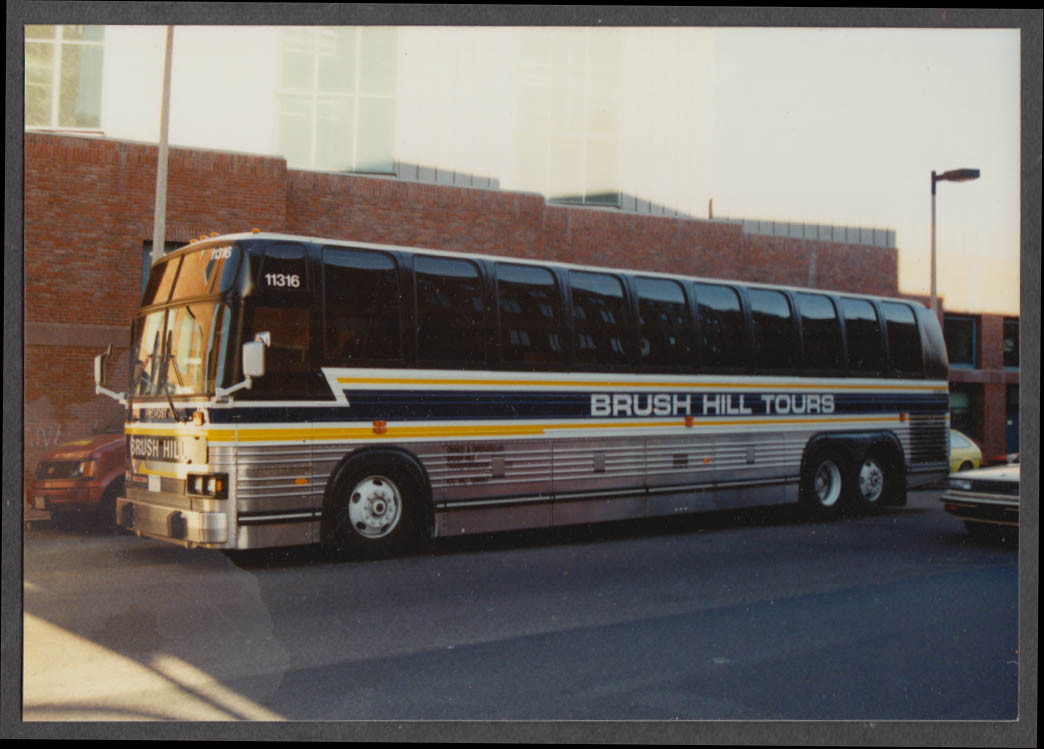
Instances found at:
x=965 y=466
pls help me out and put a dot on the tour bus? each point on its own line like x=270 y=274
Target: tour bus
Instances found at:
x=287 y=390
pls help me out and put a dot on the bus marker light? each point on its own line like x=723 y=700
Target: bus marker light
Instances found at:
x=689 y=421
x=301 y=481
x=197 y=418
x=903 y=416
x=380 y=427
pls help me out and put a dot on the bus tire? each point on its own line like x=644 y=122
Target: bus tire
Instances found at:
x=873 y=482
x=825 y=487
x=372 y=510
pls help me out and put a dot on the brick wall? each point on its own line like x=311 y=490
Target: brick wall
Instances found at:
x=89 y=208
x=991 y=379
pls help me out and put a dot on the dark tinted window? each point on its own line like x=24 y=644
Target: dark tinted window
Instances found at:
x=361 y=306
x=904 y=344
x=599 y=319
x=283 y=271
x=287 y=360
x=663 y=323
x=1011 y=343
x=821 y=333
x=865 y=352
x=933 y=344
x=775 y=334
x=450 y=311
x=722 y=328
x=530 y=315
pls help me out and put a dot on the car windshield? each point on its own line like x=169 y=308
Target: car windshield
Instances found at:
x=180 y=350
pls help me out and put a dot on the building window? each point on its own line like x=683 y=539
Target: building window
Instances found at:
x=146 y=258
x=1011 y=343
x=63 y=77
x=961 y=340
x=336 y=99
x=1011 y=419
x=965 y=403
x=567 y=128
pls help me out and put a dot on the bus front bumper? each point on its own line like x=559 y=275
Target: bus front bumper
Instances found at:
x=175 y=524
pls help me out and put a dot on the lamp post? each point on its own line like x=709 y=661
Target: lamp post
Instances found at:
x=954 y=175
x=159 y=223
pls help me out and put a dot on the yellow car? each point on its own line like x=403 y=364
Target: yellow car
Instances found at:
x=964 y=453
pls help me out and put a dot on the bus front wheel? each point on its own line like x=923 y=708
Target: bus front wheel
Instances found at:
x=370 y=511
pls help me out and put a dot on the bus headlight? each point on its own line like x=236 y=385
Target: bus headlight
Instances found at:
x=214 y=485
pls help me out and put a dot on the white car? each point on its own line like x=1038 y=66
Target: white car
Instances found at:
x=984 y=497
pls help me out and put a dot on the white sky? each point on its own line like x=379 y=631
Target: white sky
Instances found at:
x=845 y=126
x=830 y=126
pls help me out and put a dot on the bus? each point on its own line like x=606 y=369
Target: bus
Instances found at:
x=287 y=390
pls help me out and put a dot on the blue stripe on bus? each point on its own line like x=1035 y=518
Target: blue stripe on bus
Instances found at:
x=485 y=405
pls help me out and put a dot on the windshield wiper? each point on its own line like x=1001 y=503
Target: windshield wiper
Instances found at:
x=169 y=357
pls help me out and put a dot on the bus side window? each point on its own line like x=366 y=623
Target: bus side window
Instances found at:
x=451 y=319
x=529 y=330
x=600 y=321
x=723 y=331
x=663 y=318
x=290 y=341
x=361 y=306
x=821 y=333
x=775 y=332
x=865 y=349
x=904 y=345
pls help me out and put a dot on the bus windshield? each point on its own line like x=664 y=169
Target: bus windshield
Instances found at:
x=205 y=272
x=181 y=350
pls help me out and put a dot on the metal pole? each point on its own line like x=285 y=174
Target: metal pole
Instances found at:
x=159 y=225
x=935 y=301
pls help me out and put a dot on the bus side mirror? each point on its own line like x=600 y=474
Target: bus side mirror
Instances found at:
x=99 y=377
x=254 y=359
x=99 y=366
x=253 y=365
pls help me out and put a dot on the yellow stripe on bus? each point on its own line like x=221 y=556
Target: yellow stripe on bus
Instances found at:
x=277 y=434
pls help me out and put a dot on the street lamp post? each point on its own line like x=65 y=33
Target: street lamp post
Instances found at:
x=954 y=175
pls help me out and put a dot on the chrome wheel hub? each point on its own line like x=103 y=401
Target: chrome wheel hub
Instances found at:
x=871 y=480
x=375 y=507
x=827 y=484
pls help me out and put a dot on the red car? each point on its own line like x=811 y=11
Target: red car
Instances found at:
x=85 y=474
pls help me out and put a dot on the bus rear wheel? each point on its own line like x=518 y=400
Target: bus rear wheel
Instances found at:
x=871 y=482
x=825 y=491
x=370 y=511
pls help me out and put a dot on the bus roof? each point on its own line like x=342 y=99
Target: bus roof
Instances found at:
x=328 y=241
